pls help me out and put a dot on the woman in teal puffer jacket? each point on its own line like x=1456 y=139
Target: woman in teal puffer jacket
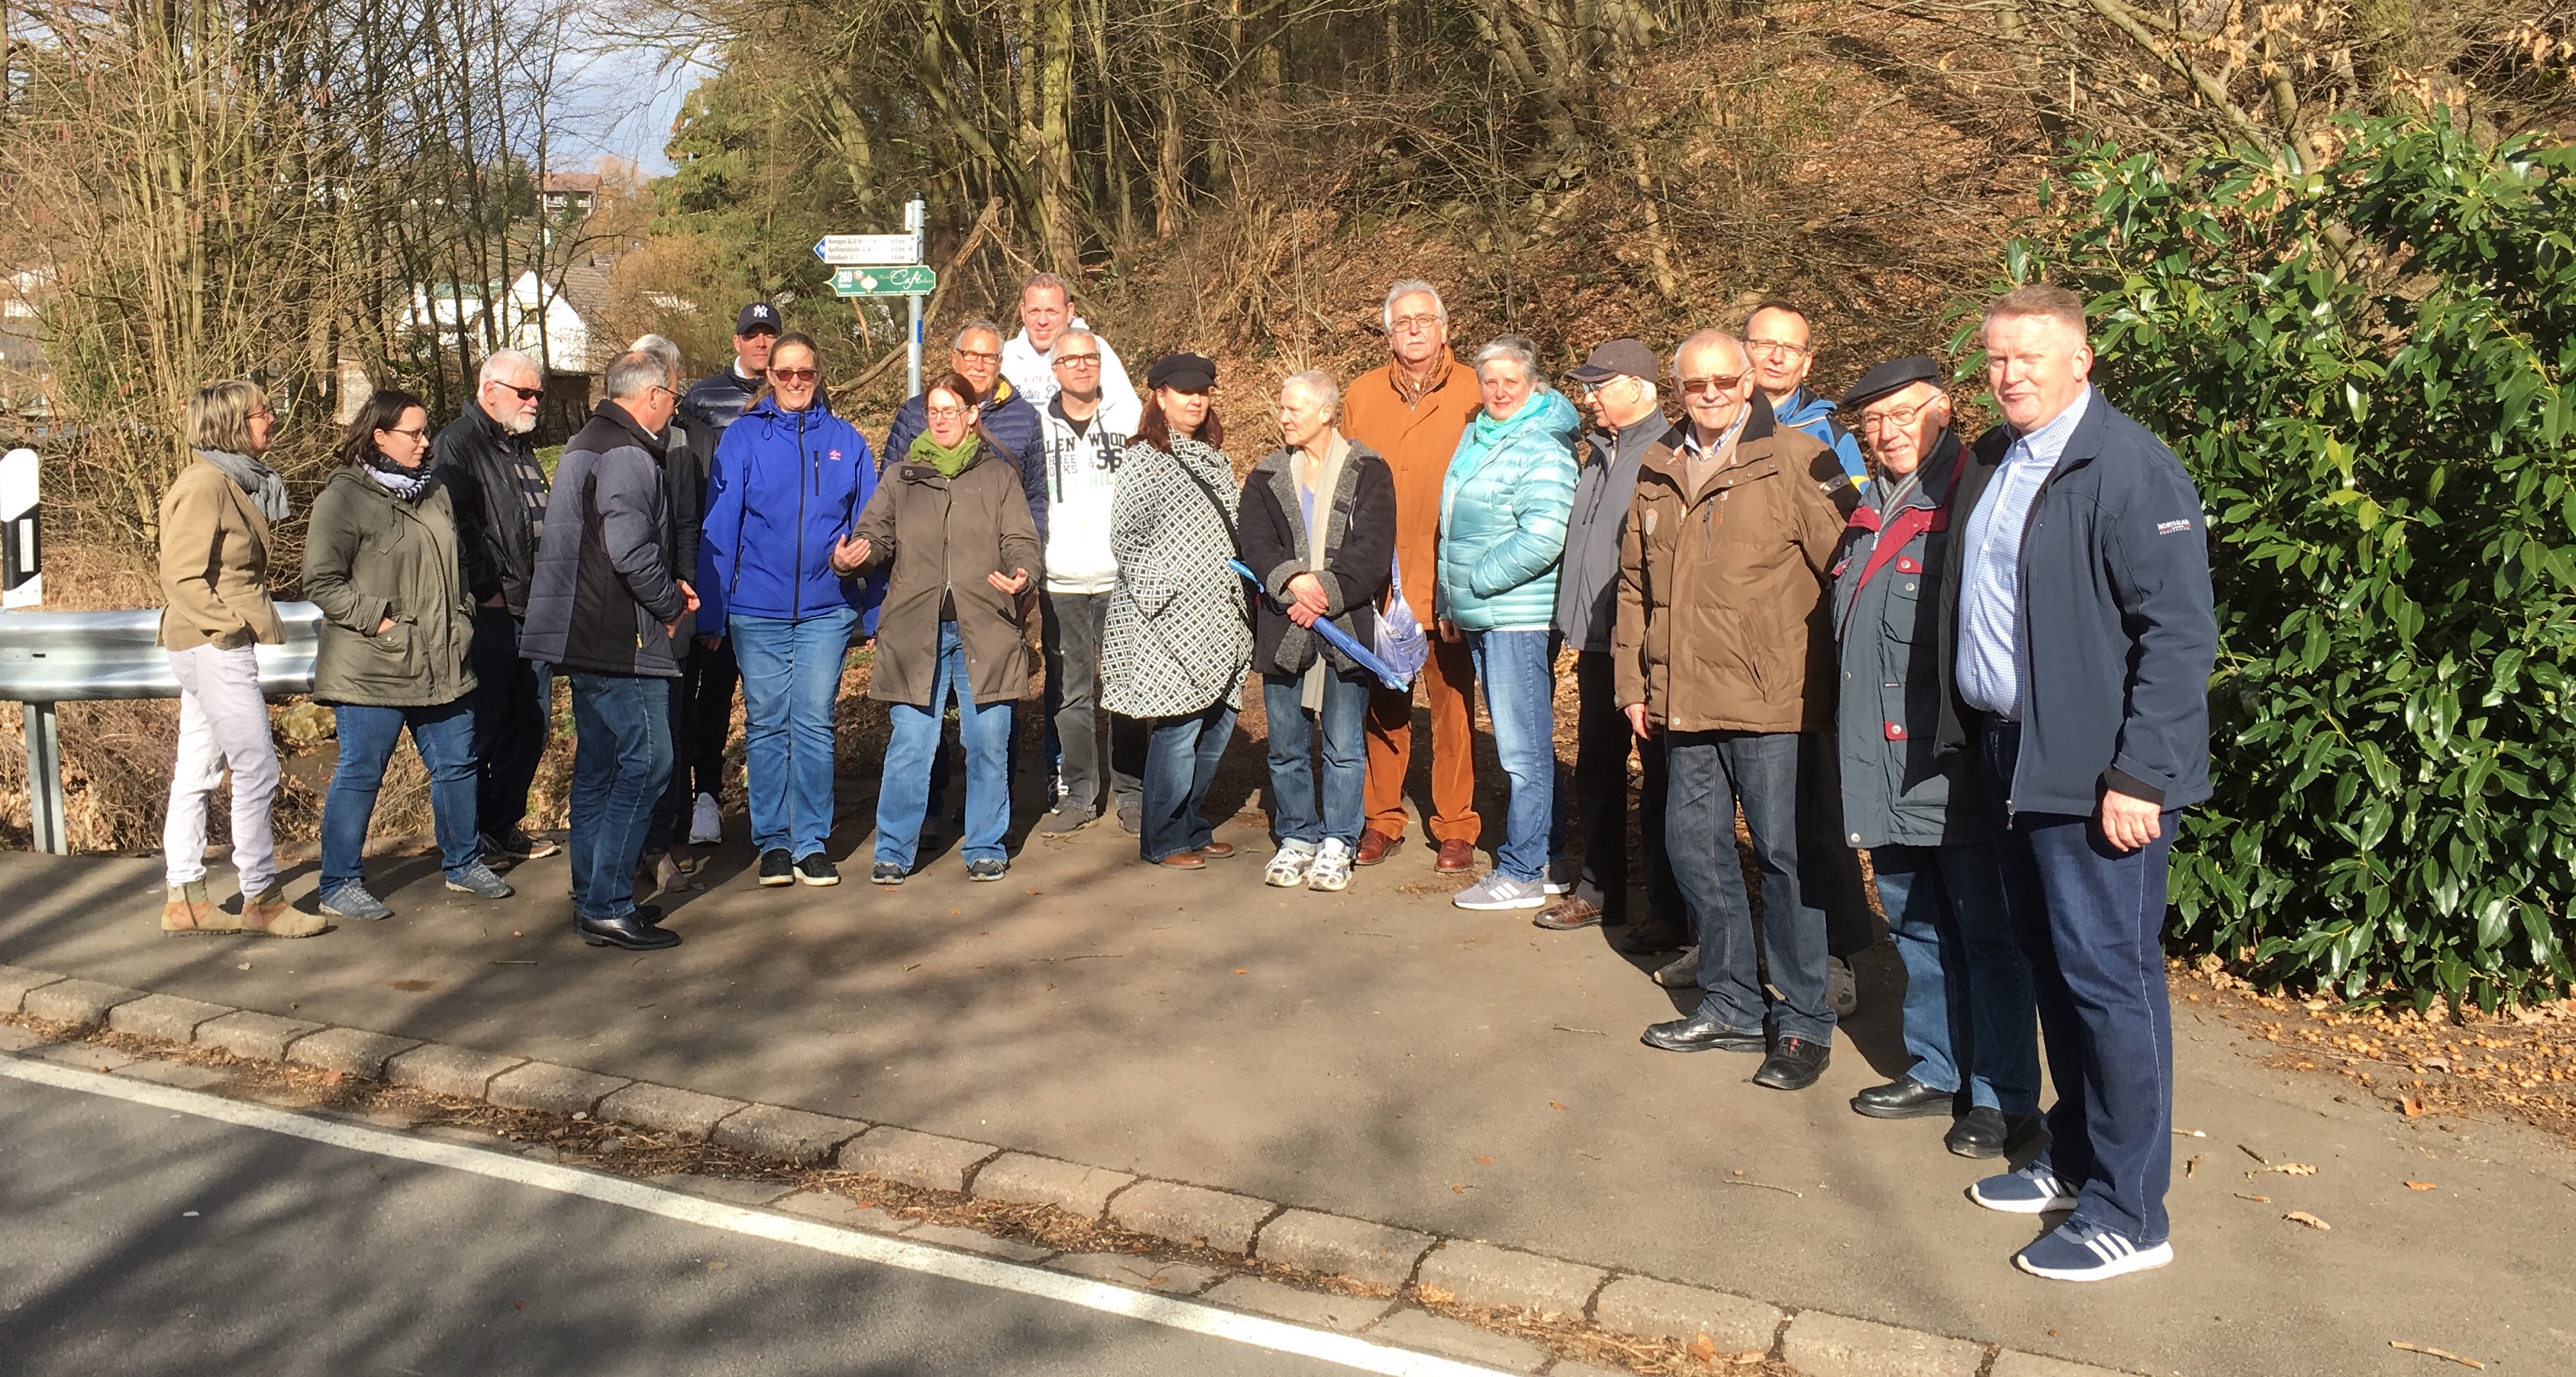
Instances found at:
x=1503 y=509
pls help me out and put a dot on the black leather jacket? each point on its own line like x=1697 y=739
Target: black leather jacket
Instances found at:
x=495 y=540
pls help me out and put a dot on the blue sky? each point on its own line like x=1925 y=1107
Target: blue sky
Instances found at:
x=620 y=101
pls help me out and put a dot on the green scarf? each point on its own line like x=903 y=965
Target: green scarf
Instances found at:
x=949 y=462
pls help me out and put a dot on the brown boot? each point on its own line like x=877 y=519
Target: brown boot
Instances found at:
x=187 y=909
x=270 y=915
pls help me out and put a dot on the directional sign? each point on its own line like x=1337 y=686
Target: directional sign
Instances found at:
x=867 y=250
x=910 y=280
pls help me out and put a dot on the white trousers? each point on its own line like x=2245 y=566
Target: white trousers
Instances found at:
x=223 y=720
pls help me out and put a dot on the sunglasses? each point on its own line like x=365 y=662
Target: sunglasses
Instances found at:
x=525 y=394
x=1711 y=387
x=792 y=375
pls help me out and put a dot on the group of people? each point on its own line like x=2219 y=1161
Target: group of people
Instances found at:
x=1979 y=661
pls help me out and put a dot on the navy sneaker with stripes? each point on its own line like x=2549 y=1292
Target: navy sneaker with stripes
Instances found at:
x=2075 y=1251
x=2032 y=1190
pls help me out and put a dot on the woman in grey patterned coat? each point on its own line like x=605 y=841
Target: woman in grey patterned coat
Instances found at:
x=1175 y=643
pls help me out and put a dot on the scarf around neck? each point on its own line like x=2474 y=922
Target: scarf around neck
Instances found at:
x=266 y=488
x=949 y=462
x=407 y=485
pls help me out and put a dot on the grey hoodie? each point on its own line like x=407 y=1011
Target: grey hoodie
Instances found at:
x=1587 y=583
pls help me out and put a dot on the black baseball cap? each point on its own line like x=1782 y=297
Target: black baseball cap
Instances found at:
x=1893 y=376
x=1182 y=372
x=1620 y=358
x=756 y=317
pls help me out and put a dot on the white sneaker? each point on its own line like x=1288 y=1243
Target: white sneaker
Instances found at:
x=1289 y=868
x=1560 y=876
x=705 y=823
x=1332 y=869
x=1500 y=891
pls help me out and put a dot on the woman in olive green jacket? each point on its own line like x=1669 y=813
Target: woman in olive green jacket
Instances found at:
x=381 y=562
x=214 y=590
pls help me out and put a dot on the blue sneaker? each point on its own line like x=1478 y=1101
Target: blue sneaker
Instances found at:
x=352 y=900
x=478 y=880
x=2032 y=1190
x=2084 y=1252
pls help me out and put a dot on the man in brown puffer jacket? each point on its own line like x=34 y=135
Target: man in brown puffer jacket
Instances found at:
x=1724 y=647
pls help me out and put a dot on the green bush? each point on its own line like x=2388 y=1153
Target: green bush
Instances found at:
x=2363 y=367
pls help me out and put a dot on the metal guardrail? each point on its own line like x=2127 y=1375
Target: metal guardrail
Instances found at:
x=77 y=657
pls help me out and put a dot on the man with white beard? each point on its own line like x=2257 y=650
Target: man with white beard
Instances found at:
x=499 y=495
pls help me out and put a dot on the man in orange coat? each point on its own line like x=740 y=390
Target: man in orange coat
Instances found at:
x=1412 y=412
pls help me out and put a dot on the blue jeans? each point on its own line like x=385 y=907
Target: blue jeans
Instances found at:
x=791 y=675
x=2092 y=921
x=1180 y=763
x=1518 y=670
x=444 y=736
x=620 y=762
x=903 y=791
x=1967 y=984
x=1707 y=775
x=1292 y=777
x=513 y=702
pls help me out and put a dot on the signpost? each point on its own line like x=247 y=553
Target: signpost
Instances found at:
x=912 y=279
x=865 y=265
x=867 y=250
x=22 y=584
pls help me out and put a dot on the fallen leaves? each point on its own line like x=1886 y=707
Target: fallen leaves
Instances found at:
x=2421 y=1186
x=2411 y=1107
x=1437 y=1295
x=1704 y=1348
x=1484 y=1161
x=1242 y=970
x=1554 y=1105
x=2303 y=1217
x=2257 y=1199
x=2192 y=1167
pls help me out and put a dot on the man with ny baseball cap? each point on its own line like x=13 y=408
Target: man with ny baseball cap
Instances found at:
x=1618 y=385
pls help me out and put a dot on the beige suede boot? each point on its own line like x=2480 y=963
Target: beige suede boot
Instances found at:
x=270 y=915
x=189 y=910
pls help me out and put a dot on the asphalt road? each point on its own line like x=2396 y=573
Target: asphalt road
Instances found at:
x=136 y=1240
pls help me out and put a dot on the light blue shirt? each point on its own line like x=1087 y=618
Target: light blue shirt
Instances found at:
x=1990 y=572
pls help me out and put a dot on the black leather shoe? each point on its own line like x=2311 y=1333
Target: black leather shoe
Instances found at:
x=1985 y=1132
x=1703 y=1033
x=1795 y=1065
x=1680 y=973
x=1904 y=1098
x=777 y=868
x=1650 y=936
x=624 y=931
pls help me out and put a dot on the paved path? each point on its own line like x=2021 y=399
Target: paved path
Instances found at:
x=1363 y=1053
x=143 y=1241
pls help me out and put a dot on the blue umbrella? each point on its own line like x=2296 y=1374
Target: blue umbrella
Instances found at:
x=1361 y=655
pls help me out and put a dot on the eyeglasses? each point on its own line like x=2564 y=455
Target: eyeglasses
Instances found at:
x=792 y=375
x=1774 y=348
x=263 y=414
x=978 y=355
x=421 y=434
x=1711 y=387
x=525 y=394
x=1077 y=360
x=1591 y=389
x=1424 y=324
x=1899 y=417
x=946 y=413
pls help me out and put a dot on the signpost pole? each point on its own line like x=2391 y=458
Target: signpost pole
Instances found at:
x=22 y=584
x=916 y=219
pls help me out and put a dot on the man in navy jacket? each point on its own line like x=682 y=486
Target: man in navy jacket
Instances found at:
x=2086 y=636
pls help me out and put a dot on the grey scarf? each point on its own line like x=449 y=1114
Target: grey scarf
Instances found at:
x=267 y=490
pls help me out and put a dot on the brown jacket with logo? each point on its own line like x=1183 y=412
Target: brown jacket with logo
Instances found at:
x=1417 y=442
x=214 y=564
x=1725 y=623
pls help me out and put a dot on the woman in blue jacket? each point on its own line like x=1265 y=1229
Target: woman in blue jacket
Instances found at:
x=1503 y=507
x=787 y=484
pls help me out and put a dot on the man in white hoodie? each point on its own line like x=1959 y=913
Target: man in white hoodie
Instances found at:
x=1084 y=430
x=1046 y=313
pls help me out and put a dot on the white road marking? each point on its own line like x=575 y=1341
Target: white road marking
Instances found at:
x=1172 y=1312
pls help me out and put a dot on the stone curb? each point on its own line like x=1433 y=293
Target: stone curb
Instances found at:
x=1375 y=1254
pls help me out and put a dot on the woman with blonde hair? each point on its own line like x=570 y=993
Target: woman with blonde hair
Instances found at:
x=214 y=584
